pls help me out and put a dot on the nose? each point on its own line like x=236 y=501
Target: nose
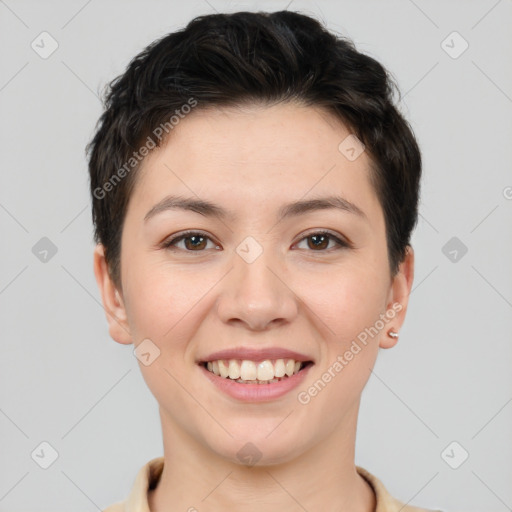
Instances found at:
x=257 y=295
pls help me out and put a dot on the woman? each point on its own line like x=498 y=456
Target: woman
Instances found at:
x=254 y=192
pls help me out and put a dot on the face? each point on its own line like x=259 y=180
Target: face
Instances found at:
x=261 y=276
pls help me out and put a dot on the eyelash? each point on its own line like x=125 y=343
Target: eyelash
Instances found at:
x=169 y=244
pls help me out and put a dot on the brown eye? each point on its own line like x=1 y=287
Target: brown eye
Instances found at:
x=193 y=242
x=319 y=241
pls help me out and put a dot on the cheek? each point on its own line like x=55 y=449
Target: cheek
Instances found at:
x=163 y=300
x=347 y=298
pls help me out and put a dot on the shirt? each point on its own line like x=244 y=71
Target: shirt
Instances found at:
x=149 y=475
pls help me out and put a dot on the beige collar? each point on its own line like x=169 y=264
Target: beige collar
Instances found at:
x=149 y=475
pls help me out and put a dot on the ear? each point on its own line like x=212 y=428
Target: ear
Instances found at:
x=112 y=300
x=398 y=298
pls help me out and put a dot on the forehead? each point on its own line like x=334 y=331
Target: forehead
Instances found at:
x=286 y=150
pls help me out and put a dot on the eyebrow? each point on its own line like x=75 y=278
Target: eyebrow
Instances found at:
x=208 y=209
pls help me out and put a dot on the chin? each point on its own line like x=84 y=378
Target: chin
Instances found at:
x=259 y=449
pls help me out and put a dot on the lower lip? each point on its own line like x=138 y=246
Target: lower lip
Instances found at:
x=256 y=392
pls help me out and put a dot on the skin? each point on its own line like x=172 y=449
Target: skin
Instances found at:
x=314 y=301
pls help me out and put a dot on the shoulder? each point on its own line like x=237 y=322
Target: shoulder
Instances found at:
x=402 y=507
x=386 y=502
x=115 y=507
x=147 y=478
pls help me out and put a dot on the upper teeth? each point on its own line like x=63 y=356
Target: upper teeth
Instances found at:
x=251 y=370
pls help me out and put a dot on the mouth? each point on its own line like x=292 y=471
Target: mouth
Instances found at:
x=263 y=372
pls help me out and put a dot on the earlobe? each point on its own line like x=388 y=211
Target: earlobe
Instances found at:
x=398 y=300
x=389 y=339
x=113 y=303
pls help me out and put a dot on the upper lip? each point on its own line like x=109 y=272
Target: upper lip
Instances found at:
x=256 y=354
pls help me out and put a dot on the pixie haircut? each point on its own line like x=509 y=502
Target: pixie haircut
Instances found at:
x=243 y=58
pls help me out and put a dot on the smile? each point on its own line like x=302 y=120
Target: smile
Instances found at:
x=255 y=381
x=253 y=372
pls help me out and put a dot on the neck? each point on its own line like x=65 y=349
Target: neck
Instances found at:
x=321 y=478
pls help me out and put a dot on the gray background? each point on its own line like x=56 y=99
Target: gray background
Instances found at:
x=65 y=382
